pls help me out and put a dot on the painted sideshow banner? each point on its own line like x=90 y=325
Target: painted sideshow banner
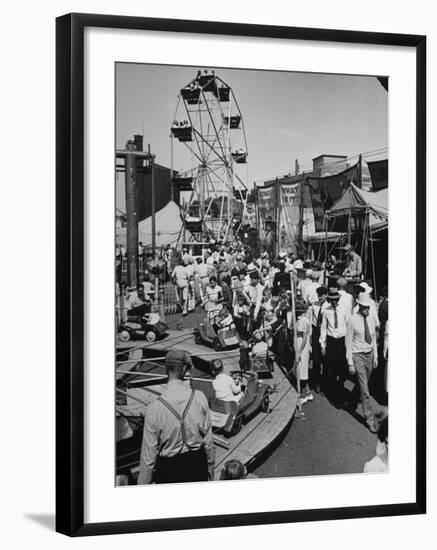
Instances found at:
x=266 y=206
x=288 y=217
x=290 y=197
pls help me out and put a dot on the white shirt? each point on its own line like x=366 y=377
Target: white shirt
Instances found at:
x=135 y=300
x=225 y=388
x=314 y=311
x=180 y=275
x=185 y=258
x=212 y=296
x=303 y=285
x=260 y=349
x=346 y=301
x=190 y=270
x=255 y=295
x=148 y=288
x=203 y=270
x=328 y=327
x=373 y=312
x=310 y=294
x=355 y=336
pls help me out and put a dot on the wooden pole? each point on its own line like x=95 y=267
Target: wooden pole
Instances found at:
x=360 y=171
x=156 y=294
x=131 y=214
x=171 y=169
x=366 y=242
x=277 y=220
x=296 y=353
x=300 y=232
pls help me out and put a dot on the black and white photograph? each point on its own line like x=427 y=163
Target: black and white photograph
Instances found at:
x=214 y=204
x=251 y=274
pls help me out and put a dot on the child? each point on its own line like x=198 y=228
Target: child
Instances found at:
x=241 y=316
x=223 y=319
x=303 y=348
x=225 y=387
x=260 y=348
x=234 y=469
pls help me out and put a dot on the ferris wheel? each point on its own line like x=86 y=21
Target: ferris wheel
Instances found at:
x=209 y=124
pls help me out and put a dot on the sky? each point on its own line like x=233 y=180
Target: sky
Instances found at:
x=287 y=115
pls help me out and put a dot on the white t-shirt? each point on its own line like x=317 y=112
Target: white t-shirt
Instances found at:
x=225 y=388
x=260 y=349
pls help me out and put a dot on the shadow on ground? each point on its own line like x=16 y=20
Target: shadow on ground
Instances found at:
x=46 y=520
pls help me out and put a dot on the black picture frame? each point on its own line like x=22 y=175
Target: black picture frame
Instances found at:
x=70 y=272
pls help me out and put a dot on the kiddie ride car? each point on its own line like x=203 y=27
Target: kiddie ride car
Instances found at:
x=147 y=327
x=221 y=339
x=228 y=417
x=263 y=366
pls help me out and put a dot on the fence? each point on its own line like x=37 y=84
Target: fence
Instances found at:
x=170 y=298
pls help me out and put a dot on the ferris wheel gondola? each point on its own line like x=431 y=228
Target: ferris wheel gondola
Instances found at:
x=209 y=124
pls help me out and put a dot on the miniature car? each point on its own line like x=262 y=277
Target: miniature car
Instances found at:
x=228 y=417
x=147 y=327
x=260 y=365
x=226 y=338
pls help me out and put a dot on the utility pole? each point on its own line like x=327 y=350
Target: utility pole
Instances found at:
x=131 y=213
x=171 y=169
x=301 y=210
x=360 y=170
x=277 y=216
x=154 y=250
x=131 y=155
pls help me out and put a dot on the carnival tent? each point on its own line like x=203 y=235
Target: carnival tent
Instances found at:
x=168 y=227
x=355 y=200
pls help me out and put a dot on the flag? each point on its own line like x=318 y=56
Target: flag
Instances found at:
x=379 y=173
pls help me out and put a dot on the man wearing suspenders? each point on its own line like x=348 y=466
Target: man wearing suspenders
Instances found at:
x=177 y=440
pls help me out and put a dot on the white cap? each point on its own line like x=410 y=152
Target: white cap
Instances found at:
x=364 y=300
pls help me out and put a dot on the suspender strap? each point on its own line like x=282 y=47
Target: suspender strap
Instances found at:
x=187 y=408
x=178 y=416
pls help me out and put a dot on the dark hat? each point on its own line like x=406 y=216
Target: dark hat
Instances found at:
x=333 y=294
x=234 y=272
x=176 y=358
x=321 y=290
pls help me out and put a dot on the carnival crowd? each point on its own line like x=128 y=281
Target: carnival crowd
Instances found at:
x=318 y=320
x=340 y=331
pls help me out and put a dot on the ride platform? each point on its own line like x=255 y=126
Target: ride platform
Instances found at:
x=256 y=435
